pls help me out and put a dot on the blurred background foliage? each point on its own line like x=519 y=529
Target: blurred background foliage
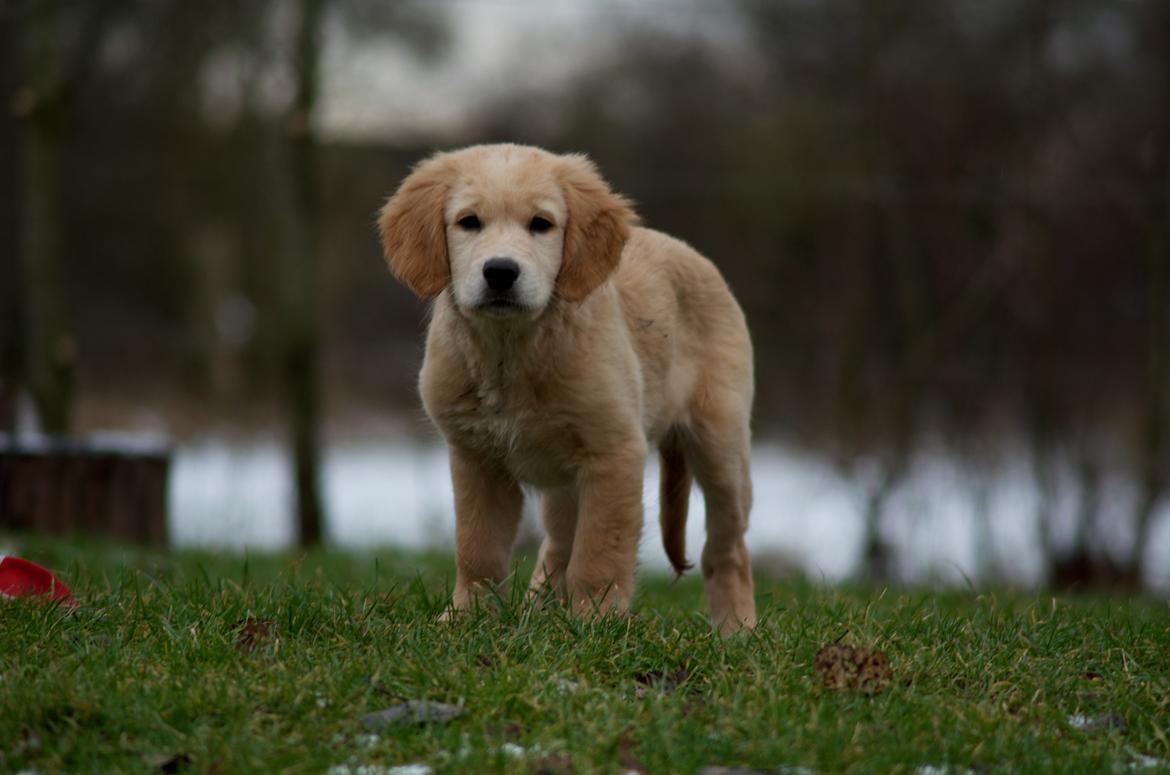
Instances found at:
x=947 y=221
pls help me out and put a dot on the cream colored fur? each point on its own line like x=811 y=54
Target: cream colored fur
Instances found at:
x=620 y=339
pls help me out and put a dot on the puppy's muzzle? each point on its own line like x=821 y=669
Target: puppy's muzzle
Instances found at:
x=500 y=274
x=499 y=296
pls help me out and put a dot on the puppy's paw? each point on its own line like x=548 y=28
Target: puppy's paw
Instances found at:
x=450 y=614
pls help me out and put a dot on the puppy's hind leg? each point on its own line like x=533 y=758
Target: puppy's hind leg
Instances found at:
x=720 y=452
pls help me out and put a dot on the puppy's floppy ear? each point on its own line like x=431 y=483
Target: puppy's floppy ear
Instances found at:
x=413 y=232
x=597 y=229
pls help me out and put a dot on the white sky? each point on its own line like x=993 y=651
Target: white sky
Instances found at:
x=380 y=90
x=376 y=89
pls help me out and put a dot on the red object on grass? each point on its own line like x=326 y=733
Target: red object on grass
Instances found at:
x=21 y=578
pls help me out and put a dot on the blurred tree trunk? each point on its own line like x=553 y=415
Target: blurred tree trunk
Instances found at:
x=1155 y=418
x=878 y=562
x=1157 y=411
x=1074 y=565
x=11 y=368
x=903 y=249
x=300 y=347
x=1155 y=414
x=49 y=349
x=855 y=406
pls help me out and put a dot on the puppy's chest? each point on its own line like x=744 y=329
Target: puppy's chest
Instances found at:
x=509 y=422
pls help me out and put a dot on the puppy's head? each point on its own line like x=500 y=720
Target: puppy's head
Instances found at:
x=506 y=227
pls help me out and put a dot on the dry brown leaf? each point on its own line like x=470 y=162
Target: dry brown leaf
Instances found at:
x=626 y=754
x=847 y=667
x=252 y=632
x=553 y=764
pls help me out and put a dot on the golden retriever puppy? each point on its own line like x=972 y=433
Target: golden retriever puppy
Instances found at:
x=564 y=343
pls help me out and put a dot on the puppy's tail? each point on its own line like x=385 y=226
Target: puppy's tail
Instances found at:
x=674 y=496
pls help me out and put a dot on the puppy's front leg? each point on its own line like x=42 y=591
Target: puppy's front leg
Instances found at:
x=558 y=512
x=601 y=569
x=488 y=503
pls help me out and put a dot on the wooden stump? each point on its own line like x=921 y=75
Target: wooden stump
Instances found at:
x=60 y=487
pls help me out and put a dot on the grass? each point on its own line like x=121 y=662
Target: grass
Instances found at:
x=158 y=669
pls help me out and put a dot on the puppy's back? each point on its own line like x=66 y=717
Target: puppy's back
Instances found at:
x=672 y=292
x=690 y=334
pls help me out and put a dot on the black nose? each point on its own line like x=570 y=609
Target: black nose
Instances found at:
x=500 y=273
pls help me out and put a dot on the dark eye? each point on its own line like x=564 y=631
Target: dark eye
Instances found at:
x=469 y=222
x=540 y=225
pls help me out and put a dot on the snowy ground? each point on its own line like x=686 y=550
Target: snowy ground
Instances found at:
x=806 y=514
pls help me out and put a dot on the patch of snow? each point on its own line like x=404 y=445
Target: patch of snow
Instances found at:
x=948 y=518
x=512 y=750
x=1145 y=762
x=377 y=769
x=409 y=769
